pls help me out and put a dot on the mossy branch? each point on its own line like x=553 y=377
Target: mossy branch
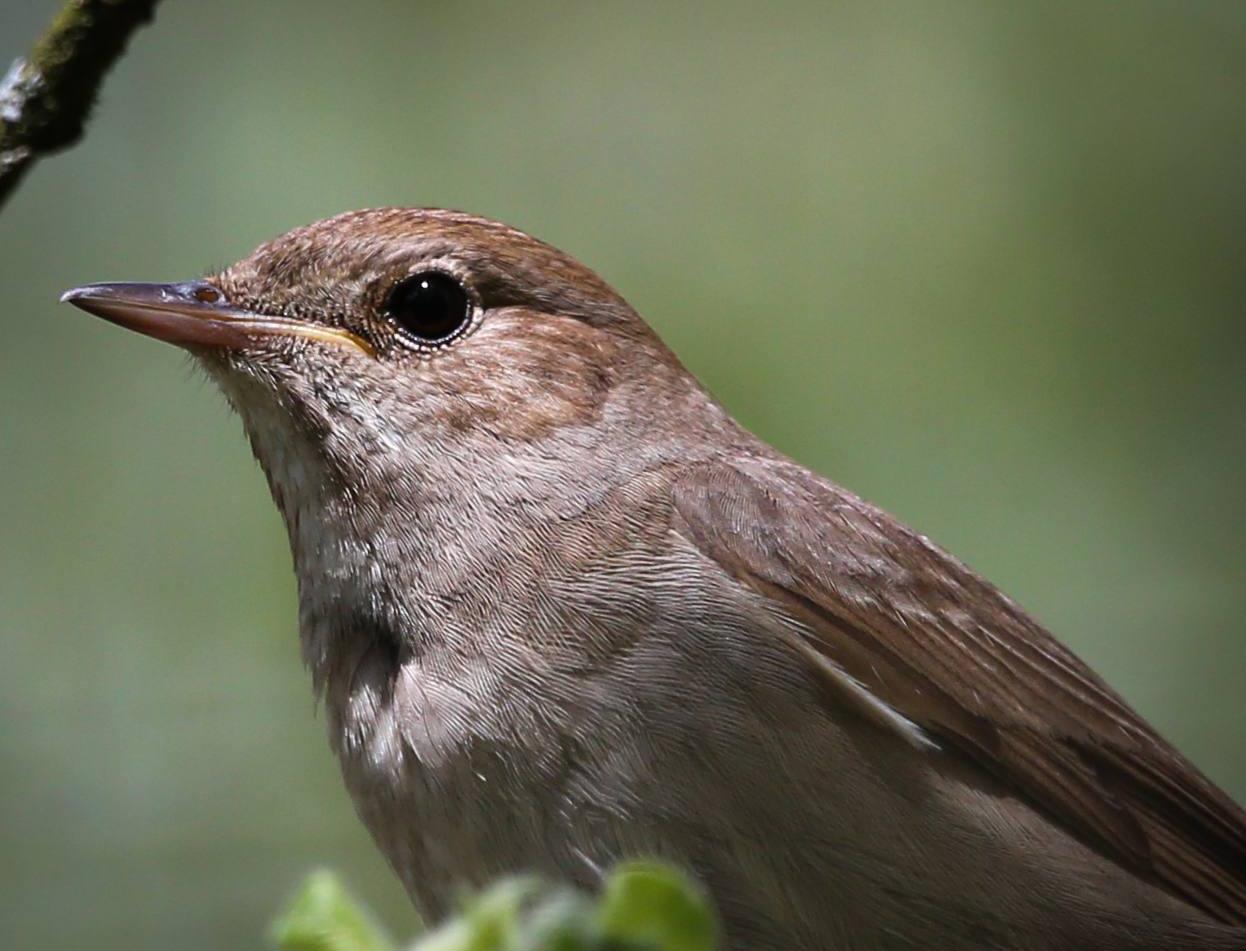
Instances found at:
x=46 y=97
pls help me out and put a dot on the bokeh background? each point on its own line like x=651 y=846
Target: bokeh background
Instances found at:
x=981 y=262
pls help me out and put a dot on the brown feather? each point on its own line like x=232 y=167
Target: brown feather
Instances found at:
x=949 y=652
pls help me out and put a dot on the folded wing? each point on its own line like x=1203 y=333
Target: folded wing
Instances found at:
x=945 y=649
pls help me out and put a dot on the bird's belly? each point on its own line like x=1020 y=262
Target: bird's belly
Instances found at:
x=448 y=827
x=810 y=830
x=458 y=790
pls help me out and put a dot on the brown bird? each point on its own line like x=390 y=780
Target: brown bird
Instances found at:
x=563 y=609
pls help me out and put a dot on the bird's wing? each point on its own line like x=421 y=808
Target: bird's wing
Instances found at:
x=948 y=652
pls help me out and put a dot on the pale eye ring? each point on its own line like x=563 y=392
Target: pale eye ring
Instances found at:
x=431 y=307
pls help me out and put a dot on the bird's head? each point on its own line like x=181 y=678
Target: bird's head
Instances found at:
x=361 y=346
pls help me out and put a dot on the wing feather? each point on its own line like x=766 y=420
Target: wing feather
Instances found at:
x=953 y=656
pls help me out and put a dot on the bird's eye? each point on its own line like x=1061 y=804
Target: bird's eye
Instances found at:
x=431 y=306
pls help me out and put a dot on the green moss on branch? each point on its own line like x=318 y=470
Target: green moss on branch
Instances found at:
x=46 y=97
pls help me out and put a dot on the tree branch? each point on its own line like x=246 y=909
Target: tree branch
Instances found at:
x=45 y=99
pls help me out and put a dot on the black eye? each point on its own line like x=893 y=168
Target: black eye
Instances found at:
x=432 y=307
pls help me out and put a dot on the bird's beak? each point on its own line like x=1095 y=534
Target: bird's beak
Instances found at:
x=196 y=314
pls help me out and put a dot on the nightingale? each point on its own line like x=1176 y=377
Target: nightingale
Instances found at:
x=562 y=610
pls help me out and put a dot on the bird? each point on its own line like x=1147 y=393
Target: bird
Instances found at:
x=562 y=610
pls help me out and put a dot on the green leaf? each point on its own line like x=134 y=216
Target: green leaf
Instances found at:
x=323 y=917
x=655 y=906
x=643 y=907
x=489 y=922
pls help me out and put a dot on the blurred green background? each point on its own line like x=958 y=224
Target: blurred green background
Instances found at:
x=981 y=262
